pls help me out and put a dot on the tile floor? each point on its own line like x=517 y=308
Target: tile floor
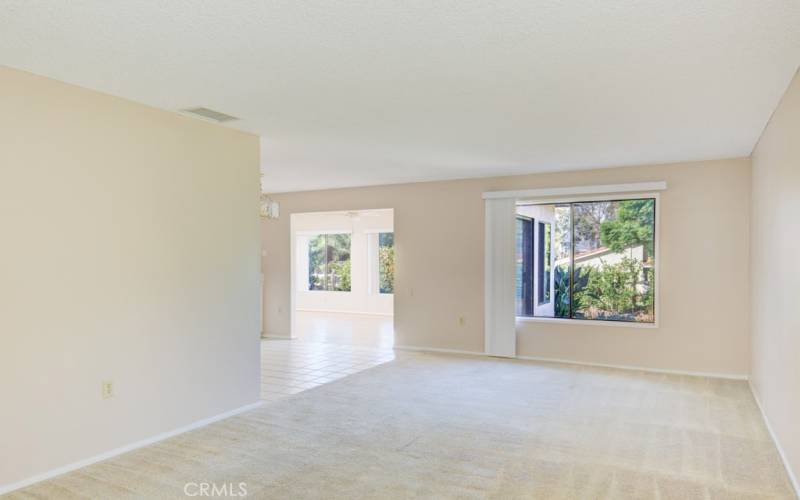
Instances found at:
x=343 y=328
x=292 y=366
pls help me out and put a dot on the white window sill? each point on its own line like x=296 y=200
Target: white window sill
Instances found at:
x=587 y=322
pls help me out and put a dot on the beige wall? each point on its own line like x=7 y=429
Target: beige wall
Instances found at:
x=776 y=274
x=439 y=243
x=129 y=253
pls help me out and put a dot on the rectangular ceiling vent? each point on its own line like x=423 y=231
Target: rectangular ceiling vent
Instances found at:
x=210 y=114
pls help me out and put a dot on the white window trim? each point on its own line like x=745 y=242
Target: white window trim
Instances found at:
x=597 y=323
x=596 y=190
x=568 y=195
x=324 y=231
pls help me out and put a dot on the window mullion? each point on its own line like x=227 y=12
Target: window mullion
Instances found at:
x=325 y=267
x=571 y=257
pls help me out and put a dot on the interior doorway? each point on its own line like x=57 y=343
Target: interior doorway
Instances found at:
x=343 y=277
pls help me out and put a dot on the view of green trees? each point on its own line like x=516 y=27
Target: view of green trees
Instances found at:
x=633 y=226
x=386 y=262
x=329 y=262
x=329 y=267
x=614 y=273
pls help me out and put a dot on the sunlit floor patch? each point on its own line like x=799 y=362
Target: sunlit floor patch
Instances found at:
x=292 y=366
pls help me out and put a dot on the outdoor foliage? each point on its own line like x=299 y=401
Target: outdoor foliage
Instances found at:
x=329 y=262
x=615 y=291
x=561 y=280
x=633 y=226
x=386 y=262
x=316 y=263
x=588 y=217
x=339 y=275
x=561 y=234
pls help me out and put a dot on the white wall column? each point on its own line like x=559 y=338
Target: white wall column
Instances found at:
x=302 y=260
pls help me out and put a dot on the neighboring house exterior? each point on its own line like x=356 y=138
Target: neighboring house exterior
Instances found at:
x=603 y=256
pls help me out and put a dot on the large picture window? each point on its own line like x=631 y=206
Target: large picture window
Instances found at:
x=592 y=260
x=329 y=262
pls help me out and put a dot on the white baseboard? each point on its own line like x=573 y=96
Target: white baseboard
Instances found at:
x=280 y=336
x=792 y=477
x=6 y=488
x=438 y=350
x=731 y=376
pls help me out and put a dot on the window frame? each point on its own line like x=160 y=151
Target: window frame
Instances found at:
x=543 y=280
x=528 y=298
x=616 y=196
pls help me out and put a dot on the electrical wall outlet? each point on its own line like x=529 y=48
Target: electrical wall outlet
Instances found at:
x=107 y=389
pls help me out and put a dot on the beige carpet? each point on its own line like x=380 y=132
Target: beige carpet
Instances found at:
x=430 y=426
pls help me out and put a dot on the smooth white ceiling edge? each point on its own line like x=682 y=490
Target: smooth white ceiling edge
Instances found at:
x=572 y=190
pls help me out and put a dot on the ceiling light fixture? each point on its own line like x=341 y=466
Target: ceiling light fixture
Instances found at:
x=268 y=208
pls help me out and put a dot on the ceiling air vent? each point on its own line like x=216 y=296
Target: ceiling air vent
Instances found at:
x=210 y=114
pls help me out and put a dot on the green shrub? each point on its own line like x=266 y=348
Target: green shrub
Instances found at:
x=615 y=291
x=339 y=276
x=561 y=284
x=386 y=265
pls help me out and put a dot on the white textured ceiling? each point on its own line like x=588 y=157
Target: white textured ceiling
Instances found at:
x=364 y=92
